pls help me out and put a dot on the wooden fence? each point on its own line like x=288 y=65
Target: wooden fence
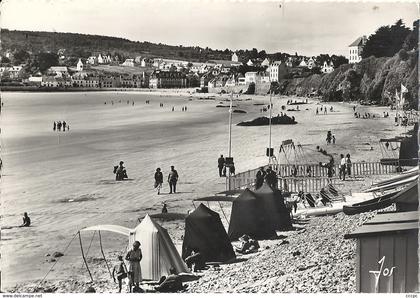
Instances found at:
x=318 y=178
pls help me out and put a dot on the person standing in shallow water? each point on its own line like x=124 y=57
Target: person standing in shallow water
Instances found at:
x=134 y=257
x=172 y=179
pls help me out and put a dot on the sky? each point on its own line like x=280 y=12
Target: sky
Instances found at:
x=307 y=28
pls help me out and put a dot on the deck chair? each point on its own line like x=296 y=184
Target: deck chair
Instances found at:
x=325 y=198
x=310 y=199
x=334 y=193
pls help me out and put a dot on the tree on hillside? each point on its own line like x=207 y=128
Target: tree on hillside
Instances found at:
x=386 y=41
x=43 y=61
x=20 y=57
x=412 y=40
x=339 y=60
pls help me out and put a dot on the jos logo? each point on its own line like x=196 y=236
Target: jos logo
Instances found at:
x=381 y=272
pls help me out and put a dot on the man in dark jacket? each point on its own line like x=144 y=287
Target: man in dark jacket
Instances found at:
x=172 y=179
x=221 y=165
x=259 y=178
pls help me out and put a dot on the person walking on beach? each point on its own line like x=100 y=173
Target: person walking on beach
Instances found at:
x=119 y=271
x=333 y=139
x=221 y=165
x=172 y=179
x=64 y=125
x=59 y=125
x=173 y=109
x=329 y=137
x=134 y=257
x=158 y=180
x=342 y=173
x=54 y=126
x=348 y=164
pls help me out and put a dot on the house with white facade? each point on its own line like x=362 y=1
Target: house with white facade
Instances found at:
x=138 y=59
x=289 y=62
x=91 y=60
x=277 y=71
x=58 y=71
x=303 y=63
x=327 y=67
x=265 y=63
x=250 y=63
x=100 y=59
x=146 y=62
x=235 y=58
x=251 y=77
x=311 y=63
x=79 y=65
x=128 y=62
x=356 y=48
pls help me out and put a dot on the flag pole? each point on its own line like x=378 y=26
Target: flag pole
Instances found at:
x=230 y=140
x=269 y=139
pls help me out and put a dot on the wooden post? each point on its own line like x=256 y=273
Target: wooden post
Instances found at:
x=83 y=256
x=102 y=251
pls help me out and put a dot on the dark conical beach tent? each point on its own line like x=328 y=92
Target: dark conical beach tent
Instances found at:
x=247 y=217
x=204 y=230
x=409 y=149
x=273 y=205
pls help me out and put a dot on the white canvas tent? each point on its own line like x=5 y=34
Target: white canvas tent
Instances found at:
x=159 y=252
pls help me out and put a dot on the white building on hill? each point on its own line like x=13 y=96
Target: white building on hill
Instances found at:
x=266 y=62
x=277 y=71
x=249 y=63
x=91 y=60
x=128 y=62
x=79 y=65
x=235 y=57
x=311 y=63
x=327 y=67
x=356 y=48
x=303 y=63
x=100 y=59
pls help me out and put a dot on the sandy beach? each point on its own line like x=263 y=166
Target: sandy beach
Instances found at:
x=64 y=180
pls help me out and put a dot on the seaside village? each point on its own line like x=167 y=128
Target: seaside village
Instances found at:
x=267 y=216
x=104 y=71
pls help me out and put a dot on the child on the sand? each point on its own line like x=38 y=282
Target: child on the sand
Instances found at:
x=120 y=271
x=26 y=220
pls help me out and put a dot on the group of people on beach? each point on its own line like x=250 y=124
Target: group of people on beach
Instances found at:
x=330 y=138
x=120 y=101
x=324 y=109
x=167 y=284
x=172 y=180
x=57 y=126
x=345 y=166
x=222 y=166
x=121 y=173
x=269 y=176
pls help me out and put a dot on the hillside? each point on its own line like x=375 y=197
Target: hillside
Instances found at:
x=85 y=45
x=373 y=79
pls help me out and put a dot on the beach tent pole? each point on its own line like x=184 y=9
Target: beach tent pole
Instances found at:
x=102 y=251
x=83 y=256
x=221 y=208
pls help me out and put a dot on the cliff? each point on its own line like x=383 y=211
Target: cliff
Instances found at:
x=372 y=80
